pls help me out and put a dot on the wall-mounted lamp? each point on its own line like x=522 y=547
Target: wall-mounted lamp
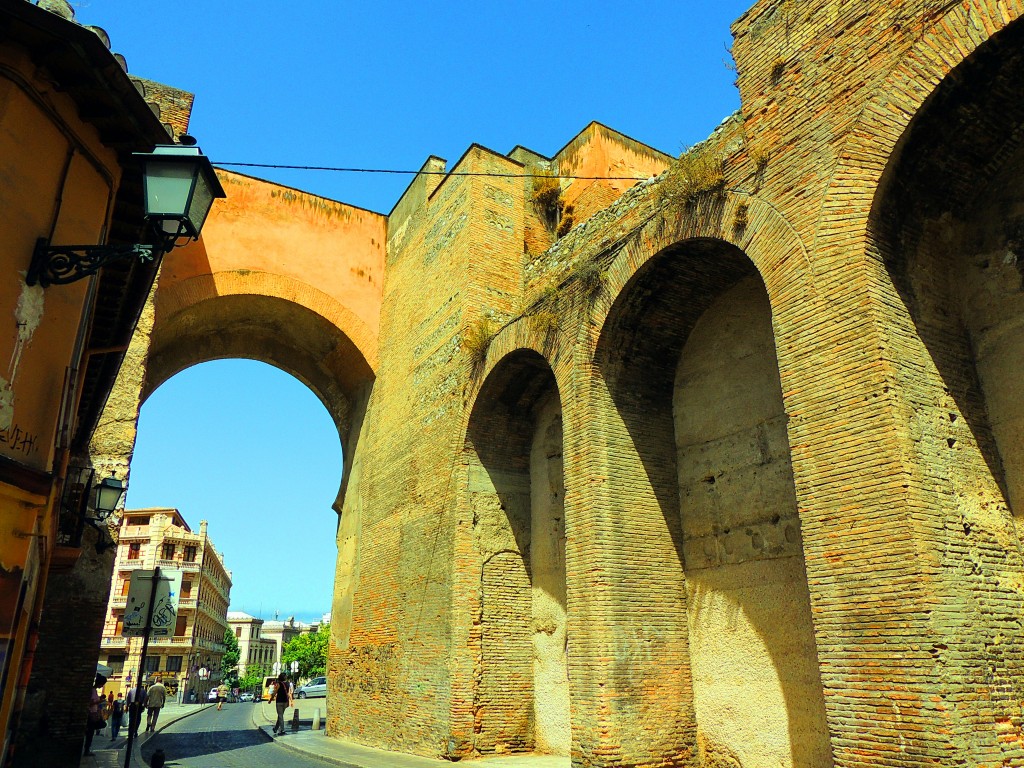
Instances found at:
x=108 y=496
x=82 y=498
x=180 y=187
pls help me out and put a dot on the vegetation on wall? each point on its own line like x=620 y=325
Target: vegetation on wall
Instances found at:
x=694 y=173
x=547 y=200
x=476 y=339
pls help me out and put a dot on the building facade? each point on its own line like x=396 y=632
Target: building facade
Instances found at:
x=70 y=120
x=254 y=650
x=160 y=537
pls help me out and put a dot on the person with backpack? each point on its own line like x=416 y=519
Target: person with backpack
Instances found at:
x=116 y=715
x=281 y=695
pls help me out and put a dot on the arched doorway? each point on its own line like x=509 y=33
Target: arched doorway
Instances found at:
x=516 y=495
x=717 y=605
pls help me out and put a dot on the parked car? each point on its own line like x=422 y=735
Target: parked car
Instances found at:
x=247 y=696
x=212 y=695
x=315 y=687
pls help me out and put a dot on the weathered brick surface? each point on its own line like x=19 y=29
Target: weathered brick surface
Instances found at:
x=861 y=531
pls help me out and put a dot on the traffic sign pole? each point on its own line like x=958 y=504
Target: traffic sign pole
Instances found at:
x=142 y=661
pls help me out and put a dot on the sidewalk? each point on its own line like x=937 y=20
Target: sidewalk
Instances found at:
x=111 y=755
x=316 y=743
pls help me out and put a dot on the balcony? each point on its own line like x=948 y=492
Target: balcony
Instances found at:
x=119 y=601
x=115 y=642
x=170 y=641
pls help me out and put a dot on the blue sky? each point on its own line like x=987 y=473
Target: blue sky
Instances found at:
x=374 y=85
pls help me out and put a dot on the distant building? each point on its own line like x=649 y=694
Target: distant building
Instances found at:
x=280 y=633
x=161 y=537
x=253 y=648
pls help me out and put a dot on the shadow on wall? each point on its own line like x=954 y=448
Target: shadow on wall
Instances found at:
x=948 y=221
x=688 y=357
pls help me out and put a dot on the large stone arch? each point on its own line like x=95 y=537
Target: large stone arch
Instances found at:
x=511 y=594
x=279 y=276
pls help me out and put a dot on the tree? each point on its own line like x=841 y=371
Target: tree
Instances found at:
x=310 y=650
x=229 y=661
x=252 y=680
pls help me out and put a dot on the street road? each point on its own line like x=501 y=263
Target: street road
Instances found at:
x=225 y=739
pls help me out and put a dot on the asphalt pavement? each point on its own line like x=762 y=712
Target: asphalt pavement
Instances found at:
x=221 y=739
x=193 y=736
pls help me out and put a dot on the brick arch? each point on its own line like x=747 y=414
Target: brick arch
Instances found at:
x=512 y=576
x=767 y=238
x=174 y=296
x=658 y=287
x=519 y=337
x=875 y=138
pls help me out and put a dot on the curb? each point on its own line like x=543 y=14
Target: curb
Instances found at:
x=292 y=747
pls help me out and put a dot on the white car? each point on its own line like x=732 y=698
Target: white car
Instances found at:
x=315 y=687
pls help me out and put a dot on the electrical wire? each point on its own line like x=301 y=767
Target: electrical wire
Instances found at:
x=392 y=171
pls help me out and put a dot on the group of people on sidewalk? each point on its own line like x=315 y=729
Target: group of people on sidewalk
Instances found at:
x=109 y=709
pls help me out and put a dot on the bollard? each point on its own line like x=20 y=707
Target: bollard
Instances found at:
x=316 y=719
x=295 y=720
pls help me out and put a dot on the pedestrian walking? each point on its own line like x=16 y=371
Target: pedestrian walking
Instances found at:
x=222 y=695
x=281 y=695
x=136 y=701
x=92 y=716
x=156 y=697
x=116 y=715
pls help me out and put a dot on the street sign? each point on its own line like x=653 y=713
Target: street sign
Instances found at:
x=295 y=667
x=277 y=667
x=165 y=603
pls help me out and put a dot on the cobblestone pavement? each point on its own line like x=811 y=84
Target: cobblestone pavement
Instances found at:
x=224 y=739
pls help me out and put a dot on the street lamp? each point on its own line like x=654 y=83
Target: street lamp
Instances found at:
x=180 y=187
x=108 y=496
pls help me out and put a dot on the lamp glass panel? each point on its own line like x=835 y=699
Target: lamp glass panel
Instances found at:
x=202 y=200
x=168 y=184
x=108 y=494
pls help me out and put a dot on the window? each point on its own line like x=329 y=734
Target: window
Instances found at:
x=180 y=625
x=125 y=585
x=238 y=631
x=140 y=520
x=168 y=552
x=118 y=623
x=116 y=663
x=190 y=553
x=134 y=550
x=152 y=664
x=186 y=589
x=174 y=663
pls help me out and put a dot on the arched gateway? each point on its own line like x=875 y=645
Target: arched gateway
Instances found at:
x=729 y=480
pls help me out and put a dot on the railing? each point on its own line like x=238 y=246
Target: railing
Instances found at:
x=171 y=640
x=119 y=601
x=113 y=642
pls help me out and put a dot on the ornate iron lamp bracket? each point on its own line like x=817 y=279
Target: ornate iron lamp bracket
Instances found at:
x=62 y=264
